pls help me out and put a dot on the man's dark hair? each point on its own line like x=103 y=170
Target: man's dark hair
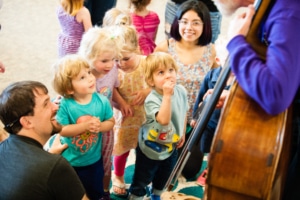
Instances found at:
x=18 y=100
x=202 y=11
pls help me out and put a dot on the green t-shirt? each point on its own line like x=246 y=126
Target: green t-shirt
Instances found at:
x=85 y=148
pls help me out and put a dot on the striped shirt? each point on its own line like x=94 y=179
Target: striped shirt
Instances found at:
x=146 y=27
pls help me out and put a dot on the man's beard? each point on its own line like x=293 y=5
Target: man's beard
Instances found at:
x=56 y=127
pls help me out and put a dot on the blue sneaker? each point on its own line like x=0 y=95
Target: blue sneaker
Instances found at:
x=155 y=197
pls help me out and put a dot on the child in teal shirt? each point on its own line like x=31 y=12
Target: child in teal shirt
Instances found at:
x=85 y=115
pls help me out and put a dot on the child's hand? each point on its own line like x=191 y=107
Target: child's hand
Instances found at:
x=126 y=110
x=168 y=87
x=222 y=98
x=57 y=147
x=181 y=142
x=93 y=125
x=140 y=96
x=193 y=123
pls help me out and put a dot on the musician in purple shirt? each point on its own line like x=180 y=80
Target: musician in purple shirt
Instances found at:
x=273 y=84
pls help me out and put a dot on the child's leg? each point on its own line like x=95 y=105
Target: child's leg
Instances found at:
x=119 y=164
x=107 y=147
x=119 y=168
x=163 y=173
x=91 y=177
x=145 y=170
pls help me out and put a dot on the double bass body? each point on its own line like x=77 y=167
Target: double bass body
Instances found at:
x=250 y=152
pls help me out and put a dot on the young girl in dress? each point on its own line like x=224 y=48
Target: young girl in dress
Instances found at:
x=101 y=48
x=74 y=20
x=146 y=23
x=134 y=90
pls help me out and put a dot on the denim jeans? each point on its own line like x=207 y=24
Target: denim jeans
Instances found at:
x=148 y=170
x=170 y=12
x=216 y=19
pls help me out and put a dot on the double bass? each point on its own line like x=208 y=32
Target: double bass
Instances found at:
x=250 y=152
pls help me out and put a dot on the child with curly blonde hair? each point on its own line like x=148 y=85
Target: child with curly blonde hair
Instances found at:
x=101 y=48
x=85 y=115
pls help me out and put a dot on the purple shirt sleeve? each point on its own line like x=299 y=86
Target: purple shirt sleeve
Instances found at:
x=272 y=84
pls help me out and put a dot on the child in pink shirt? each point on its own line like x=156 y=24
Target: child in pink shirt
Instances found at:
x=146 y=23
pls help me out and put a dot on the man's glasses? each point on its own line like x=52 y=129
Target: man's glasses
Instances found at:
x=195 y=24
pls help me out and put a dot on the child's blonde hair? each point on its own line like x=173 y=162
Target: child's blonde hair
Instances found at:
x=72 y=6
x=66 y=69
x=99 y=40
x=157 y=60
x=129 y=36
x=115 y=16
x=140 y=4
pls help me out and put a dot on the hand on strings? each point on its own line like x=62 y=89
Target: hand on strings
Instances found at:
x=240 y=24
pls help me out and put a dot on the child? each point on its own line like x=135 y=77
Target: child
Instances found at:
x=85 y=115
x=74 y=20
x=101 y=49
x=146 y=23
x=116 y=16
x=134 y=90
x=164 y=130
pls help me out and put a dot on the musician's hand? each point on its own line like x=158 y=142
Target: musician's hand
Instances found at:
x=181 y=142
x=241 y=23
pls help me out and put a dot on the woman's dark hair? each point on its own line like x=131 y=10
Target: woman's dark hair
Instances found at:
x=202 y=11
x=18 y=100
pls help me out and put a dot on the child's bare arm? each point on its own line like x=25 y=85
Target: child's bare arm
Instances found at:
x=107 y=125
x=84 y=16
x=125 y=108
x=164 y=114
